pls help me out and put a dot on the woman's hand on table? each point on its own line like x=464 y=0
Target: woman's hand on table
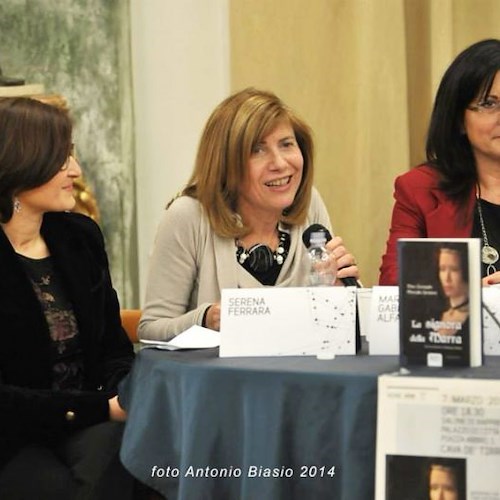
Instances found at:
x=492 y=279
x=212 y=318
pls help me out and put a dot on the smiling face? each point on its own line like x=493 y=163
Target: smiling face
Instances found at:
x=483 y=129
x=56 y=195
x=272 y=175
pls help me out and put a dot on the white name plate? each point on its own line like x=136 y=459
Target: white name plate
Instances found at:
x=364 y=298
x=383 y=329
x=491 y=320
x=274 y=321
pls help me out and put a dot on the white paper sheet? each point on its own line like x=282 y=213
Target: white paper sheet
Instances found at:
x=491 y=320
x=196 y=337
x=364 y=297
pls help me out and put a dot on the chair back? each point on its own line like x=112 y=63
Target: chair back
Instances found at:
x=130 y=322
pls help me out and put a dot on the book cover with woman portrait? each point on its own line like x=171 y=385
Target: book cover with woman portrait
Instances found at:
x=440 y=302
x=425 y=478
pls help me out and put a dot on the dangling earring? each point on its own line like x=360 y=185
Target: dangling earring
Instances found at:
x=17 y=205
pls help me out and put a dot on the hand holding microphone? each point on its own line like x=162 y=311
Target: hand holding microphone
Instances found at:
x=347 y=270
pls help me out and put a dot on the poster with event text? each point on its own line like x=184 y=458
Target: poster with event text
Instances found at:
x=437 y=434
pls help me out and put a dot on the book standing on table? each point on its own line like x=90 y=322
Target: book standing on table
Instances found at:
x=440 y=301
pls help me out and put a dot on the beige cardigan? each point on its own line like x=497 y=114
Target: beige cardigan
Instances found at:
x=190 y=265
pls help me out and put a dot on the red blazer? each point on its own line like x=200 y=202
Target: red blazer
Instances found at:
x=422 y=210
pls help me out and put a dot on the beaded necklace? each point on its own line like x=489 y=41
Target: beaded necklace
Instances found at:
x=259 y=257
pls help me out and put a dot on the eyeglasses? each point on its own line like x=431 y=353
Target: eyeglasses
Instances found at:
x=487 y=107
x=72 y=153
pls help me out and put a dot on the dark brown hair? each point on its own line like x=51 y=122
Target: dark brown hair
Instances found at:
x=469 y=77
x=35 y=142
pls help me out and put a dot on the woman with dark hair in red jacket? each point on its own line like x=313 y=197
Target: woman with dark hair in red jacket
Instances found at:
x=456 y=193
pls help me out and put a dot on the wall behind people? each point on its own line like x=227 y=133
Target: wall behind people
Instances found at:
x=364 y=74
x=181 y=72
x=81 y=50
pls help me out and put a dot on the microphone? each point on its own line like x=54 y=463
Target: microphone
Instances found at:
x=319 y=228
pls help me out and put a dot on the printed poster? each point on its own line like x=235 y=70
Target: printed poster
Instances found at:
x=437 y=435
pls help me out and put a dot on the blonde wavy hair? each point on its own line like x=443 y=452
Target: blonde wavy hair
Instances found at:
x=237 y=124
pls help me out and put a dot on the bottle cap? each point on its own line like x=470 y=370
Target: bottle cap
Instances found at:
x=317 y=239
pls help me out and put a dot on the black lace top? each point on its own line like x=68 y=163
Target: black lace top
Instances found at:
x=66 y=352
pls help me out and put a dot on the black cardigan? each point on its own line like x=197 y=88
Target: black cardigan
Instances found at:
x=30 y=412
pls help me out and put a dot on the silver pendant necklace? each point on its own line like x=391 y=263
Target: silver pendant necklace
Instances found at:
x=489 y=254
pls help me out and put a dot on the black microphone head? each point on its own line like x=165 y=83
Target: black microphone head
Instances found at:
x=315 y=228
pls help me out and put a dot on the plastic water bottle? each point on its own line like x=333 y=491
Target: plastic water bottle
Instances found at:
x=321 y=272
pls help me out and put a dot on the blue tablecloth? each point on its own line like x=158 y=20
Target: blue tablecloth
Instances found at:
x=236 y=421
x=204 y=427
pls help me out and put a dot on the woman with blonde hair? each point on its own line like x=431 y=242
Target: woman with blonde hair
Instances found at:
x=239 y=221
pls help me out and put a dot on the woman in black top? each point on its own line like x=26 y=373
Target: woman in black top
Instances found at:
x=62 y=348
